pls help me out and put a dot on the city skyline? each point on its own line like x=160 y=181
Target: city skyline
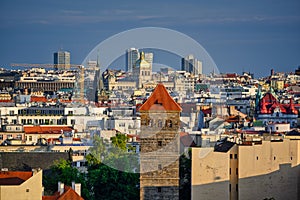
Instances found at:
x=240 y=36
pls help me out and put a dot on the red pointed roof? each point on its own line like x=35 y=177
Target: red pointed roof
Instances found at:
x=269 y=103
x=160 y=99
x=68 y=194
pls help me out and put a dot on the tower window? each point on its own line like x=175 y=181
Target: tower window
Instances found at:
x=159 y=189
x=159 y=167
x=230 y=156
x=159 y=143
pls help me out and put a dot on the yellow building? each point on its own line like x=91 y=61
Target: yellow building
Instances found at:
x=21 y=185
x=252 y=171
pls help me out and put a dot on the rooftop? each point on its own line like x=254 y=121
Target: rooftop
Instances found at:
x=160 y=99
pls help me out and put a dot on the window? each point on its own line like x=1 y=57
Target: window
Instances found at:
x=159 y=167
x=237 y=187
x=235 y=156
x=230 y=156
x=11 y=112
x=230 y=171
x=274 y=157
x=19 y=136
x=256 y=157
x=229 y=187
x=159 y=189
x=291 y=158
x=236 y=171
x=27 y=190
x=159 y=143
x=30 y=138
x=160 y=123
x=73 y=121
x=1 y=137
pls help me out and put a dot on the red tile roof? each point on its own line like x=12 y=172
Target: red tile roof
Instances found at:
x=14 y=177
x=46 y=129
x=38 y=99
x=186 y=140
x=68 y=194
x=160 y=99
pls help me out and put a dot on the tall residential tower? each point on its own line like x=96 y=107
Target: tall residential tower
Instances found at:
x=132 y=55
x=62 y=60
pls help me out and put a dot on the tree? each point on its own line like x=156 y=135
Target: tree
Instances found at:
x=63 y=171
x=119 y=141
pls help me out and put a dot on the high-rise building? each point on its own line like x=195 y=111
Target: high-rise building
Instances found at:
x=132 y=55
x=62 y=60
x=191 y=64
x=159 y=142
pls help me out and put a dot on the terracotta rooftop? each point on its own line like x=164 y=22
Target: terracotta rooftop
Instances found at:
x=46 y=129
x=38 y=99
x=14 y=177
x=186 y=140
x=68 y=194
x=160 y=99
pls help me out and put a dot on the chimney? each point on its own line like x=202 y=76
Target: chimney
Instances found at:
x=61 y=187
x=76 y=187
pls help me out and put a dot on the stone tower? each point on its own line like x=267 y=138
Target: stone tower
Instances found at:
x=159 y=155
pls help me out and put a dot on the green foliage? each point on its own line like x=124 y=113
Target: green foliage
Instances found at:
x=119 y=141
x=185 y=176
x=109 y=172
x=109 y=183
x=63 y=171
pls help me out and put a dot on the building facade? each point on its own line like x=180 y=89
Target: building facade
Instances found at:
x=192 y=65
x=159 y=140
x=132 y=55
x=256 y=170
x=62 y=60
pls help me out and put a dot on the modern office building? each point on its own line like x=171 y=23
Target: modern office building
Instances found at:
x=132 y=55
x=191 y=64
x=62 y=60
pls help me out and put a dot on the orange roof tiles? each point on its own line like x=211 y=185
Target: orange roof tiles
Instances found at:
x=38 y=99
x=46 y=129
x=14 y=177
x=160 y=99
x=68 y=194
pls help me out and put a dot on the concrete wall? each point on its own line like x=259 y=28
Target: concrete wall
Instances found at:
x=270 y=169
x=210 y=174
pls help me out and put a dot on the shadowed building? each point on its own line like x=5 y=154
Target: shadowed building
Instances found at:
x=255 y=170
x=159 y=157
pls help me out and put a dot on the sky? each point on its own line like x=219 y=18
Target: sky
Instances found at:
x=239 y=35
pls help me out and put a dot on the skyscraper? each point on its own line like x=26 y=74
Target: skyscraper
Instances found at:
x=191 y=64
x=132 y=55
x=62 y=60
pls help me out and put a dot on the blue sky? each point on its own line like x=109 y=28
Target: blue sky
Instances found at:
x=239 y=35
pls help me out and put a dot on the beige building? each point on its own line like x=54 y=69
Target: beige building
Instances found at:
x=253 y=171
x=21 y=185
